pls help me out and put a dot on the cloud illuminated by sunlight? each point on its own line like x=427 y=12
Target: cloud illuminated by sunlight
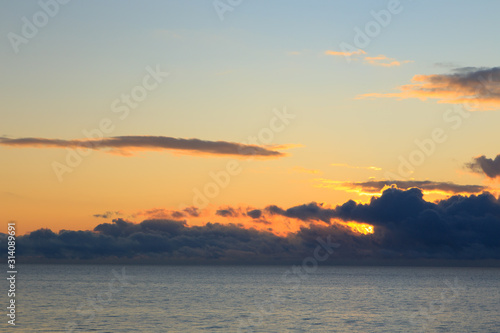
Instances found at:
x=478 y=88
x=355 y=167
x=376 y=187
x=384 y=61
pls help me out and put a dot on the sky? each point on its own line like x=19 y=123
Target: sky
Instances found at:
x=236 y=112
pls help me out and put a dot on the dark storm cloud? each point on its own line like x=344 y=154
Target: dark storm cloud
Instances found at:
x=165 y=240
x=483 y=165
x=127 y=144
x=458 y=227
x=306 y=212
x=406 y=227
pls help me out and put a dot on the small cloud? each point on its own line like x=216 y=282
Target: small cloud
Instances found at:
x=485 y=166
x=478 y=88
x=344 y=165
x=162 y=213
x=229 y=212
x=384 y=61
x=108 y=214
x=345 y=54
x=380 y=60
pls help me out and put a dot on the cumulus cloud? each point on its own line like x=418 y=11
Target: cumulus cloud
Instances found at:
x=460 y=227
x=487 y=166
x=126 y=145
x=478 y=88
x=405 y=226
x=427 y=186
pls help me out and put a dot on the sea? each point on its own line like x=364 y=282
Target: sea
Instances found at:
x=134 y=298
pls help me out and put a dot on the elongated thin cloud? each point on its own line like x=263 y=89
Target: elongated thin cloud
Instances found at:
x=345 y=165
x=379 y=60
x=373 y=187
x=487 y=166
x=125 y=145
x=478 y=88
x=345 y=54
x=384 y=61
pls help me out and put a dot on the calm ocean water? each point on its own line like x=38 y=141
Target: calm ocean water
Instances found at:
x=100 y=298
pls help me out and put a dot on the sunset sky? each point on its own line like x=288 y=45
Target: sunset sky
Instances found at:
x=258 y=106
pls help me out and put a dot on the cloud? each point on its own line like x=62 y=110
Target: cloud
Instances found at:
x=255 y=213
x=384 y=61
x=479 y=88
x=487 y=166
x=380 y=60
x=108 y=214
x=355 y=167
x=404 y=226
x=460 y=227
x=125 y=145
x=376 y=186
x=162 y=213
x=345 y=54
x=228 y=212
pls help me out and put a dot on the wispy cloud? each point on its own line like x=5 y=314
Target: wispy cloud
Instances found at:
x=108 y=214
x=344 y=165
x=479 y=88
x=162 y=213
x=379 y=60
x=384 y=61
x=376 y=187
x=126 y=145
x=345 y=54
x=487 y=166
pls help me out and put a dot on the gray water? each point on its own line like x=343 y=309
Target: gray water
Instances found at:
x=101 y=298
